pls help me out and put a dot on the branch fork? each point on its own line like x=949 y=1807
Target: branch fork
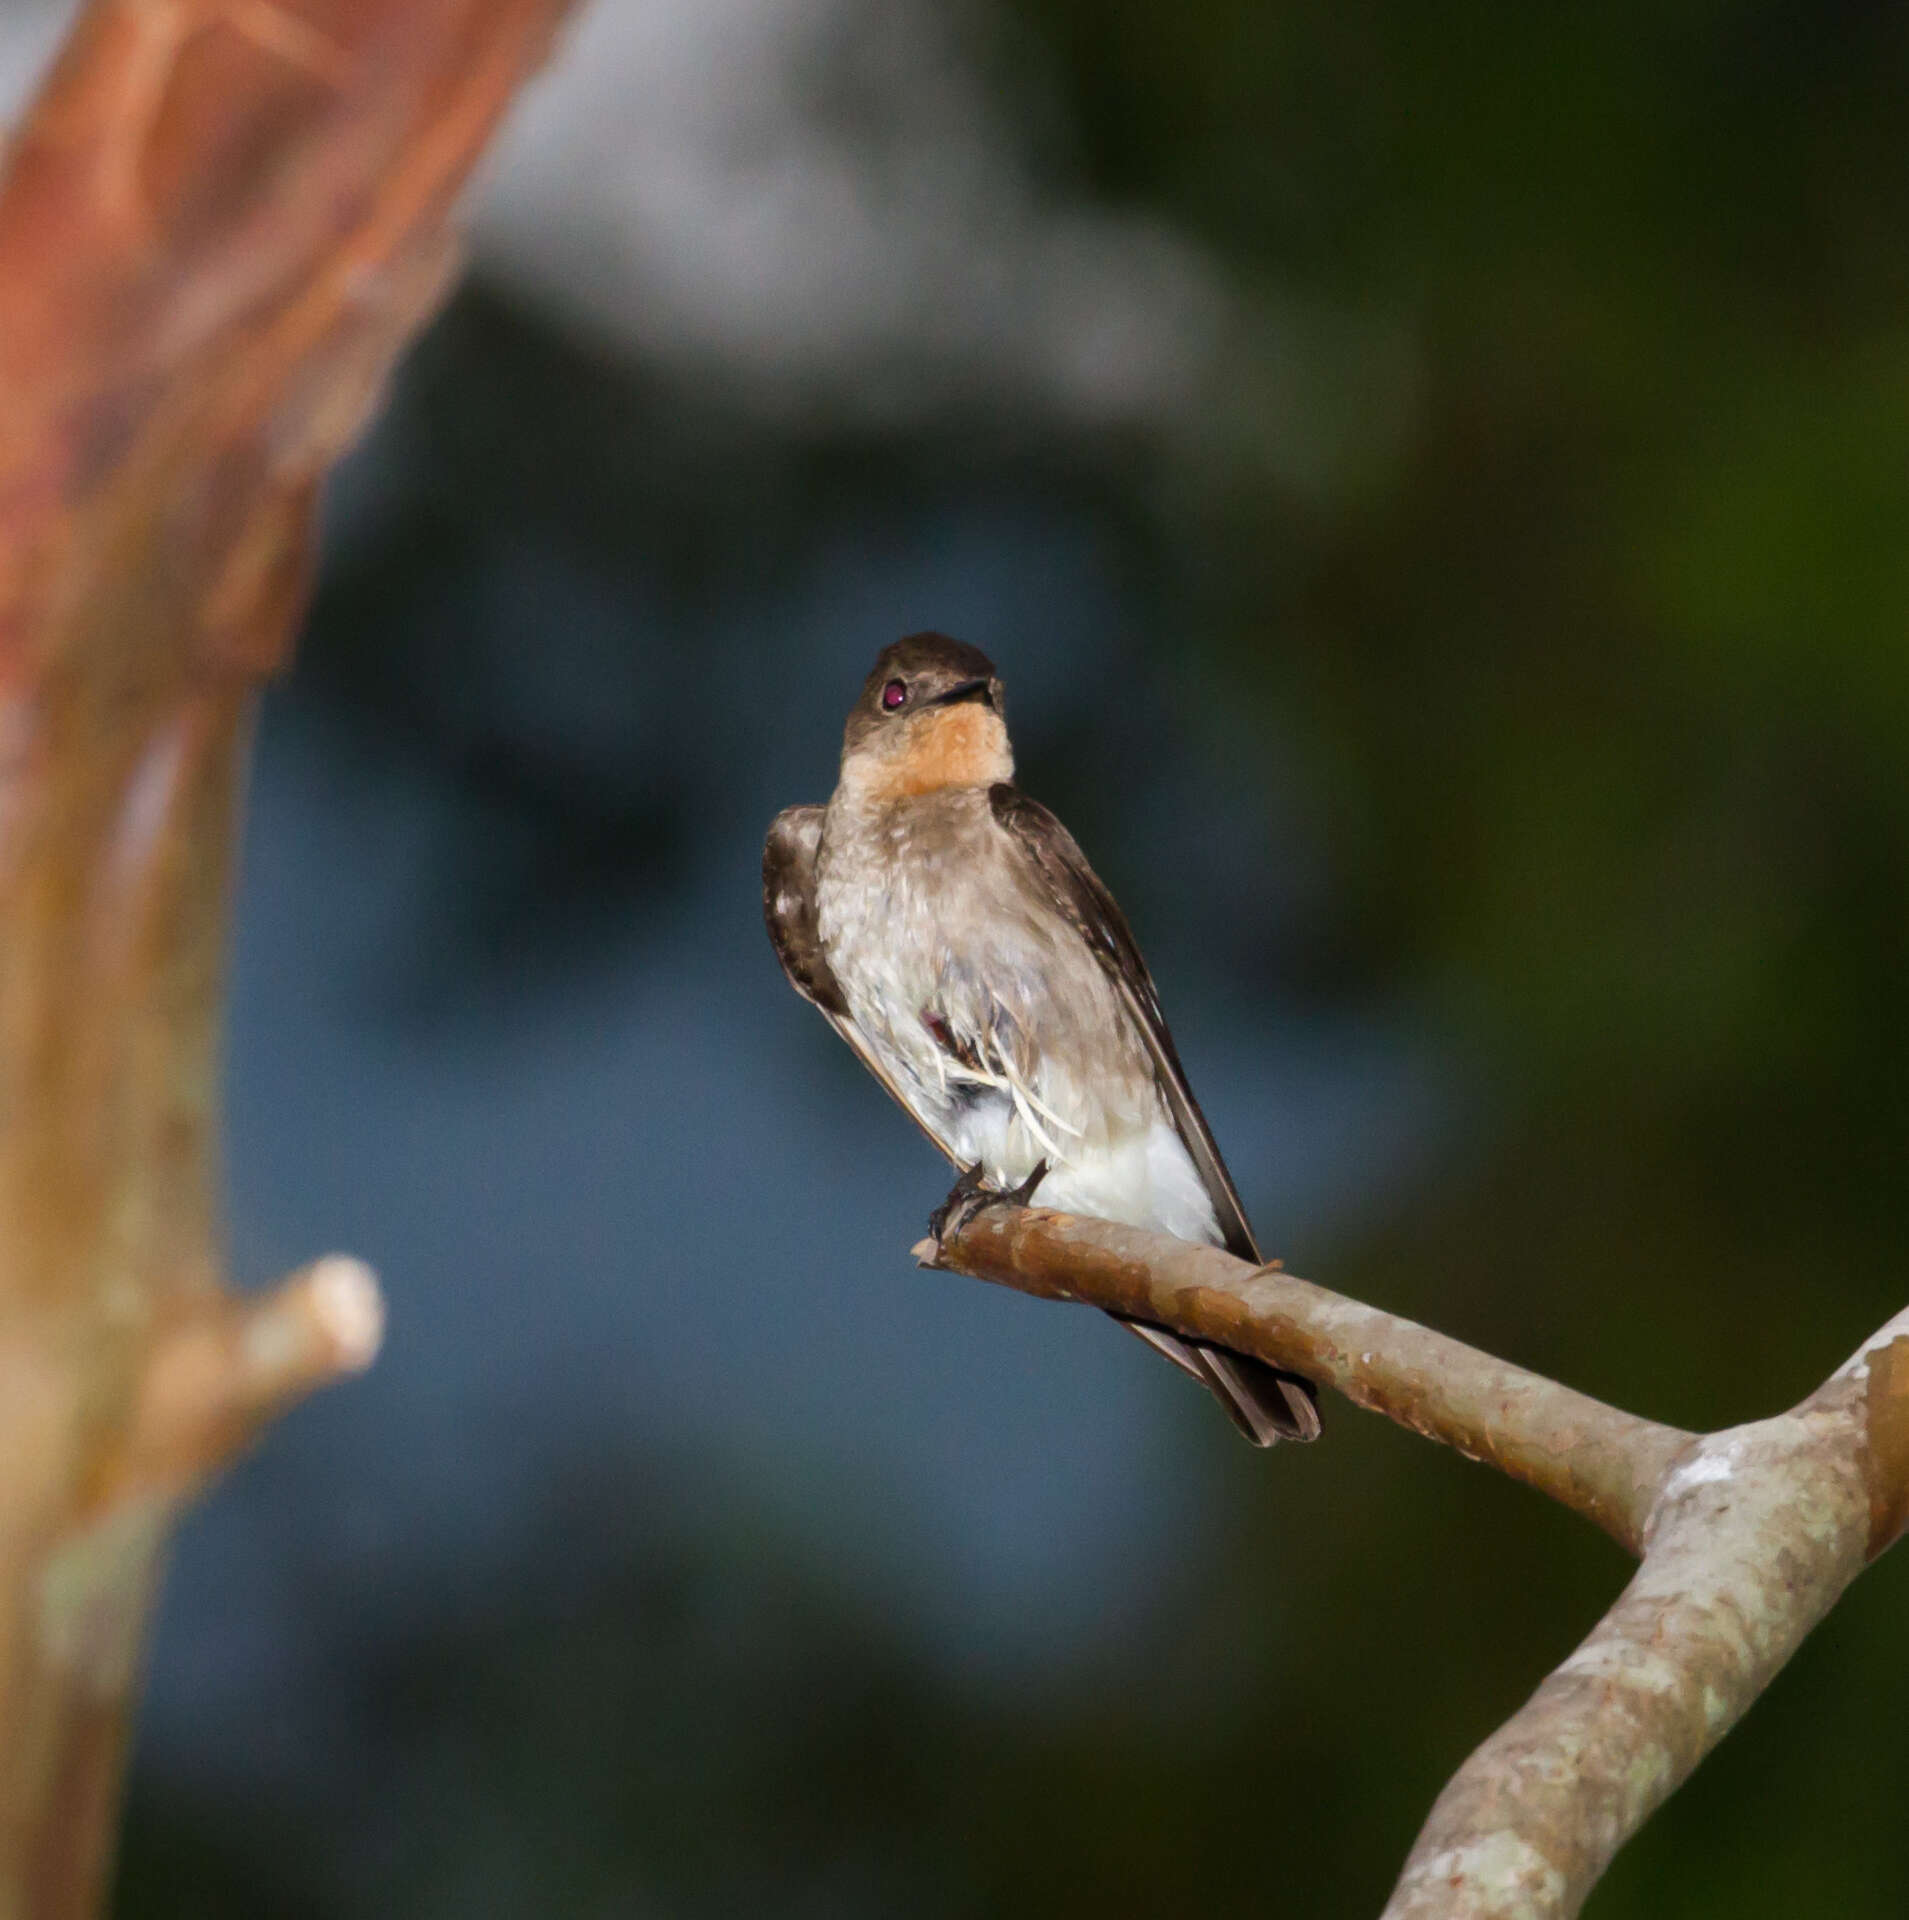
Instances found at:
x=1746 y=1538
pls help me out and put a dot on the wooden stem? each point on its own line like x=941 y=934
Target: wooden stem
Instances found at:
x=1601 y=1463
x=1747 y=1538
x=219 y=224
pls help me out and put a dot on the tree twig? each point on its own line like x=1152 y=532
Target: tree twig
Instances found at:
x=228 y=1366
x=1747 y=1537
x=1602 y=1463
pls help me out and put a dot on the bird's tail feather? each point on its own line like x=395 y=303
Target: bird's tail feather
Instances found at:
x=1265 y=1403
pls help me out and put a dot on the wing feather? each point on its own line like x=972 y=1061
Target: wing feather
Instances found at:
x=1265 y=1402
x=788 y=910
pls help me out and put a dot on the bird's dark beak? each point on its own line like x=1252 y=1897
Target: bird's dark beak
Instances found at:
x=981 y=690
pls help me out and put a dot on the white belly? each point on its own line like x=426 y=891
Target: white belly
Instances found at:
x=1057 y=1069
x=1144 y=1179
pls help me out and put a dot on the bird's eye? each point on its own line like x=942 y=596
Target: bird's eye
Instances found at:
x=895 y=694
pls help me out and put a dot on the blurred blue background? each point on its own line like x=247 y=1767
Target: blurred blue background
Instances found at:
x=1433 y=483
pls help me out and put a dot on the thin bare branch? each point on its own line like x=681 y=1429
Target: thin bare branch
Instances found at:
x=1602 y=1463
x=1753 y=1540
x=1747 y=1537
x=227 y=1367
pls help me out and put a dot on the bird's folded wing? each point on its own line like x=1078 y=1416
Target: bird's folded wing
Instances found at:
x=788 y=909
x=1062 y=871
x=1267 y=1403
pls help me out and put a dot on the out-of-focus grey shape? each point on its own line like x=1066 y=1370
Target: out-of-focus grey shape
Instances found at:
x=29 y=31
x=818 y=203
x=821 y=202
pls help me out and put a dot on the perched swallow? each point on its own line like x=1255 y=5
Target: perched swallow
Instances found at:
x=957 y=939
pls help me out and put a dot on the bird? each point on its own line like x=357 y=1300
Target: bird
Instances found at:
x=951 y=931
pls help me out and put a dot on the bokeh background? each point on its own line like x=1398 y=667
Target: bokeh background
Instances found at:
x=1434 y=481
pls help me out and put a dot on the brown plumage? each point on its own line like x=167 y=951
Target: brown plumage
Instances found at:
x=953 y=933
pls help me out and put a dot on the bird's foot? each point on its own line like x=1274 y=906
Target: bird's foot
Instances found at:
x=971 y=1195
x=965 y=1192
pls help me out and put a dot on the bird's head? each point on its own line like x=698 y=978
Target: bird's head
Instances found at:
x=930 y=716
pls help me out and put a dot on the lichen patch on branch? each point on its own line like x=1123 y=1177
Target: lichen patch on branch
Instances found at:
x=1886 y=1441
